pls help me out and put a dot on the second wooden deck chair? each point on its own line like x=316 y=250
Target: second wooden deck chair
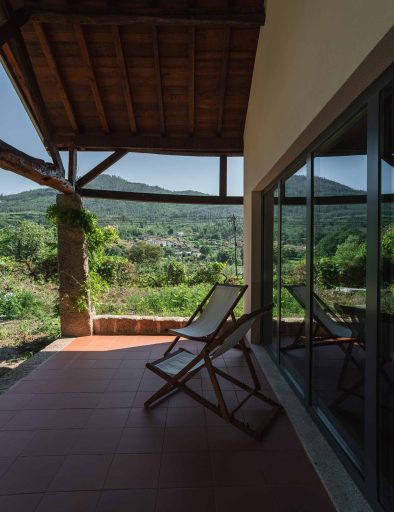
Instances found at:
x=210 y=316
x=180 y=366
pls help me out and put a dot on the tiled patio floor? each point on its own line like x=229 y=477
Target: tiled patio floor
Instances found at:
x=75 y=437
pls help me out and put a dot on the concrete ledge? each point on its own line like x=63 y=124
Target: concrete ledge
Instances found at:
x=134 y=324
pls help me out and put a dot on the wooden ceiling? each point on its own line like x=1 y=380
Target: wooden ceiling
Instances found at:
x=156 y=76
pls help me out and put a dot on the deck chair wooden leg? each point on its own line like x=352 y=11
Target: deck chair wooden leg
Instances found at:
x=175 y=341
x=250 y=364
x=346 y=361
x=216 y=387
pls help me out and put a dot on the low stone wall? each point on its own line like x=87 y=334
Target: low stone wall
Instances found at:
x=133 y=324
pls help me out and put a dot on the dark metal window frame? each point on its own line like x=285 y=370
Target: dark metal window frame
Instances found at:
x=371 y=101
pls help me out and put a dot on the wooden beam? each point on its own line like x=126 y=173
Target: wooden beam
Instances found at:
x=192 y=70
x=159 y=87
x=83 y=48
x=209 y=146
x=100 y=168
x=18 y=48
x=223 y=77
x=232 y=16
x=125 y=78
x=11 y=159
x=160 y=198
x=8 y=28
x=72 y=164
x=223 y=177
x=51 y=61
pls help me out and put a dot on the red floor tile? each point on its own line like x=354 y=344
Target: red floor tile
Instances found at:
x=114 y=400
x=50 y=442
x=181 y=439
x=30 y=474
x=20 y=502
x=236 y=499
x=141 y=440
x=186 y=416
x=127 y=501
x=190 y=500
x=96 y=441
x=80 y=501
x=185 y=470
x=141 y=417
x=13 y=442
x=107 y=418
x=82 y=472
x=134 y=471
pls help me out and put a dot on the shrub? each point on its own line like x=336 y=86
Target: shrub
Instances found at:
x=18 y=304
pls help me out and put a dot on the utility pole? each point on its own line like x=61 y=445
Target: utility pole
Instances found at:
x=233 y=220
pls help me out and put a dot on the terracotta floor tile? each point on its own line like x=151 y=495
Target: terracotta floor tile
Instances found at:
x=28 y=420
x=238 y=468
x=130 y=364
x=64 y=401
x=6 y=416
x=142 y=396
x=127 y=373
x=67 y=418
x=13 y=442
x=141 y=417
x=186 y=416
x=185 y=470
x=127 y=501
x=185 y=439
x=134 y=471
x=50 y=442
x=190 y=500
x=117 y=385
x=151 y=384
x=114 y=400
x=105 y=363
x=302 y=498
x=96 y=441
x=81 y=472
x=30 y=474
x=80 y=501
x=229 y=438
x=248 y=498
x=181 y=400
x=288 y=467
x=20 y=502
x=141 y=440
x=5 y=463
x=14 y=402
x=107 y=418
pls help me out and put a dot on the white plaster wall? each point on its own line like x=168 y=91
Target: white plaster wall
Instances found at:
x=306 y=52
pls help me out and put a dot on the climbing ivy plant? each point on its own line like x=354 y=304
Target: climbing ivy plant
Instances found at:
x=98 y=240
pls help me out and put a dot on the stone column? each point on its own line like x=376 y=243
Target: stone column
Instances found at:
x=73 y=272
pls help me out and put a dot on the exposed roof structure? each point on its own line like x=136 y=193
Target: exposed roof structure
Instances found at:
x=170 y=77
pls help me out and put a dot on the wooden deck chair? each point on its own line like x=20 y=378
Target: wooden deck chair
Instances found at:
x=180 y=366
x=210 y=316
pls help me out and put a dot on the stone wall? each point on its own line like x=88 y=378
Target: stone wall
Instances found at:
x=133 y=324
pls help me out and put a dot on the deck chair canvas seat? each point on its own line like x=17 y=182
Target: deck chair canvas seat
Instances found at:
x=178 y=367
x=211 y=315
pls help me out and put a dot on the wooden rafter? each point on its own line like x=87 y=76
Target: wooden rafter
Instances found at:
x=120 y=57
x=159 y=87
x=223 y=177
x=233 y=16
x=212 y=146
x=192 y=66
x=18 y=48
x=8 y=28
x=51 y=61
x=160 y=198
x=83 y=48
x=72 y=164
x=11 y=159
x=100 y=168
x=223 y=77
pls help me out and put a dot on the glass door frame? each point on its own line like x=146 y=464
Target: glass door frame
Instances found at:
x=371 y=100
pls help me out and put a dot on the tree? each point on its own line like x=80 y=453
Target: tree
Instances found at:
x=144 y=253
x=25 y=241
x=176 y=273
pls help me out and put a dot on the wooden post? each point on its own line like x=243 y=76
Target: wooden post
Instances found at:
x=73 y=273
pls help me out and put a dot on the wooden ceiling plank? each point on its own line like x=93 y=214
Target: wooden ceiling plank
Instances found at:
x=161 y=198
x=214 y=146
x=83 y=48
x=159 y=87
x=223 y=78
x=231 y=16
x=51 y=60
x=100 y=168
x=10 y=26
x=18 y=48
x=11 y=159
x=120 y=57
x=192 y=74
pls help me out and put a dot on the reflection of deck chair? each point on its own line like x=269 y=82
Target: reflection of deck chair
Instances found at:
x=210 y=316
x=180 y=366
x=324 y=316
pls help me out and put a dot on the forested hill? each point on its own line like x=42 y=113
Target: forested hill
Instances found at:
x=32 y=205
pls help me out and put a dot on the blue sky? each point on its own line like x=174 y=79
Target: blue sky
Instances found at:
x=173 y=173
